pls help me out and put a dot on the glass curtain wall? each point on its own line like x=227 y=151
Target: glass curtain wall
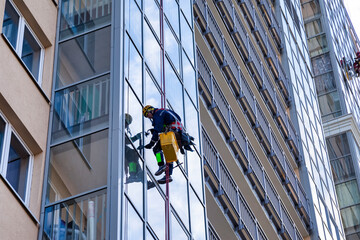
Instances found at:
x=75 y=206
x=305 y=109
x=144 y=205
x=346 y=184
x=326 y=90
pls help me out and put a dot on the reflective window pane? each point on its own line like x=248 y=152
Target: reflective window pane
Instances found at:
x=18 y=166
x=351 y=218
x=191 y=120
x=2 y=133
x=171 y=47
x=81 y=218
x=84 y=57
x=197 y=212
x=338 y=146
x=133 y=227
x=186 y=7
x=134 y=109
x=156 y=212
x=313 y=28
x=179 y=196
x=348 y=193
x=152 y=52
x=317 y=45
x=10 y=24
x=134 y=175
x=310 y=9
x=195 y=170
x=330 y=105
x=189 y=78
x=80 y=16
x=153 y=15
x=133 y=67
x=152 y=94
x=78 y=166
x=81 y=109
x=31 y=52
x=171 y=10
x=325 y=83
x=176 y=230
x=173 y=89
x=342 y=169
x=187 y=38
x=133 y=22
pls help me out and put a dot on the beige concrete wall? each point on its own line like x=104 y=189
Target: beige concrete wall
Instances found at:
x=15 y=223
x=26 y=106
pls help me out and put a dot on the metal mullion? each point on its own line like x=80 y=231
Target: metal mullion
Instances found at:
x=83 y=81
x=72 y=198
x=83 y=33
x=7 y=140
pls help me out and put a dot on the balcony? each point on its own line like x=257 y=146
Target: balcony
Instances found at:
x=225 y=190
x=253 y=63
x=246 y=99
x=246 y=8
x=80 y=217
x=259 y=32
x=225 y=6
x=268 y=91
x=200 y=9
x=262 y=128
x=266 y=10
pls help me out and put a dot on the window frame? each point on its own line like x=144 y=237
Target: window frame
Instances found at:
x=8 y=132
x=20 y=40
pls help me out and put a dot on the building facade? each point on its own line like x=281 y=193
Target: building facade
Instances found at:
x=333 y=46
x=239 y=75
x=27 y=46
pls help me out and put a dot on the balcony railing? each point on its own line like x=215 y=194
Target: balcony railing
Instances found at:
x=259 y=31
x=246 y=7
x=227 y=192
x=83 y=217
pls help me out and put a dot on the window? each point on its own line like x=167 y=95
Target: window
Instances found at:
x=24 y=42
x=15 y=161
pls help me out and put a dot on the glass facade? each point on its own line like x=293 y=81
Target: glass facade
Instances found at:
x=80 y=140
x=307 y=110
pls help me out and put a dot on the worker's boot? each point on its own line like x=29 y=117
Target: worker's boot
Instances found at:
x=163 y=180
x=161 y=163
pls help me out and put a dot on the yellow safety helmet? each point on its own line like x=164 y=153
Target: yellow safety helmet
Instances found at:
x=147 y=109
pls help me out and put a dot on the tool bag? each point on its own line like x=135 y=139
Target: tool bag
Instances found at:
x=169 y=146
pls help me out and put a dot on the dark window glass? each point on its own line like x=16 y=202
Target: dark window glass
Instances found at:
x=310 y=9
x=348 y=193
x=325 y=83
x=31 y=52
x=2 y=134
x=79 y=165
x=18 y=165
x=338 y=146
x=80 y=16
x=330 y=104
x=313 y=28
x=11 y=24
x=321 y=64
x=317 y=45
x=351 y=218
x=81 y=109
x=342 y=169
x=84 y=57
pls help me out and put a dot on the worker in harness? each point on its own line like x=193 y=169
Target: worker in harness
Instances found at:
x=163 y=120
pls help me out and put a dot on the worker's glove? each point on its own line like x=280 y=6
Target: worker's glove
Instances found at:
x=149 y=145
x=136 y=137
